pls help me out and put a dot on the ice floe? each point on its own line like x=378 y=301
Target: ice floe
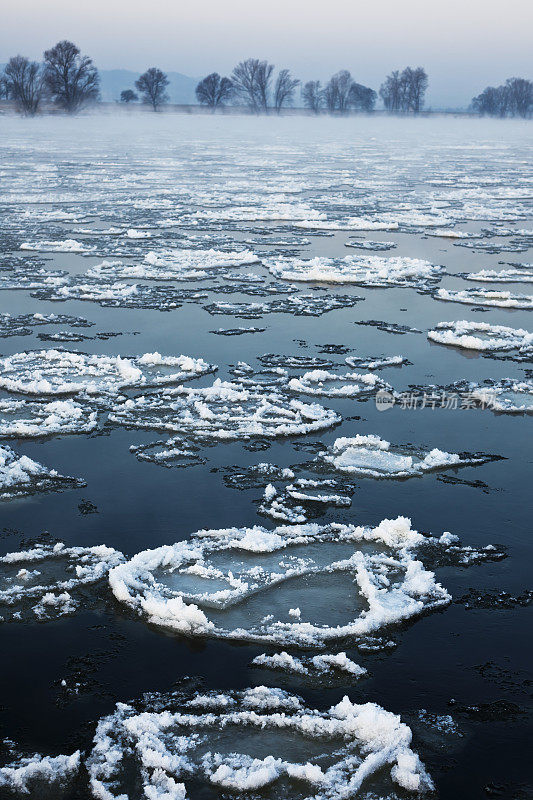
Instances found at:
x=172 y=265
x=513 y=275
x=316 y=666
x=300 y=305
x=374 y=271
x=39 y=776
x=323 y=383
x=49 y=580
x=376 y=362
x=486 y=297
x=61 y=372
x=28 y=419
x=224 y=411
x=481 y=336
x=258 y=740
x=21 y=476
x=369 y=455
x=243 y=583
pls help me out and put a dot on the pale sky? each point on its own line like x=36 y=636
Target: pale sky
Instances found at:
x=464 y=45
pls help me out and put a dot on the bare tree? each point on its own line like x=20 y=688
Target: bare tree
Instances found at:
x=284 y=89
x=128 y=96
x=513 y=98
x=521 y=96
x=251 y=81
x=404 y=91
x=213 y=91
x=312 y=96
x=24 y=83
x=72 y=79
x=362 y=98
x=152 y=85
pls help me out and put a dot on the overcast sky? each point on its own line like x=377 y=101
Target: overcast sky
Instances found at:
x=463 y=44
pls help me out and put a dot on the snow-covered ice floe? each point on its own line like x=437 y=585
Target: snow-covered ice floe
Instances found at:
x=312 y=666
x=38 y=776
x=65 y=246
x=371 y=456
x=174 y=265
x=224 y=411
x=301 y=305
x=373 y=271
x=481 y=336
x=260 y=741
x=47 y=581
x=486 y=297
x=30 y=419
x=246 y=583
x=61 y=372
x=174 y=452
x=21 y=476
x=286 y=504
x=506 y=396
x=376 y=362
x=23 y=324
x=322 y=383
x=512 y=275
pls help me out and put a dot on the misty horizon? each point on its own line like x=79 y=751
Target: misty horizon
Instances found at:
x=371 y=41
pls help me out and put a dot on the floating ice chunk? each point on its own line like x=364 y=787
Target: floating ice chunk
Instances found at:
x=328 y=384
x=485 y=297
x=507 y=396
x=388 y=327
x=374 y=457
x=481 y=336
x=37 y=775
x=174 y=265
x=347 y=581
x=301 y=305
x=315 y=666
x=46 y=582
x=20 y=476
x=60 y=372
x=500 y=276
x=174 y=452
x=351 y=224
x=363 y=270
x=268 y=211
x=224 y=411
x=66 y=246
x=248 y=741
x=27 y=419
x=379 y=362
x=23 y=324
x=369 y=245
x=133 y=233
x=237 y=331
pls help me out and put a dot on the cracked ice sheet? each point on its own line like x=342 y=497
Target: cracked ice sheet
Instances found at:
x=20 y=476
x=371 y=456
x=224 y=411
x=61 y=372
x=481 y=336
x=372 y=271
x=245 y=583
x=260 y=739
x=486 y=297
x=49 y=581
x=181 y=265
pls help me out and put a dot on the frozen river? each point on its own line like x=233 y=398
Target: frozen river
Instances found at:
x=265 y=457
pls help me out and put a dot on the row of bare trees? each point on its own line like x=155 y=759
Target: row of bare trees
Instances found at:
x=404 y=92
x=252 y=84
x=66 y=78
x=513 y=99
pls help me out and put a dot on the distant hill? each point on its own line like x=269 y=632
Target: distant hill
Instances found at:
x=113 y=81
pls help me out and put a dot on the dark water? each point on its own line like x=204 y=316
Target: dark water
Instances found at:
x=443 y=662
